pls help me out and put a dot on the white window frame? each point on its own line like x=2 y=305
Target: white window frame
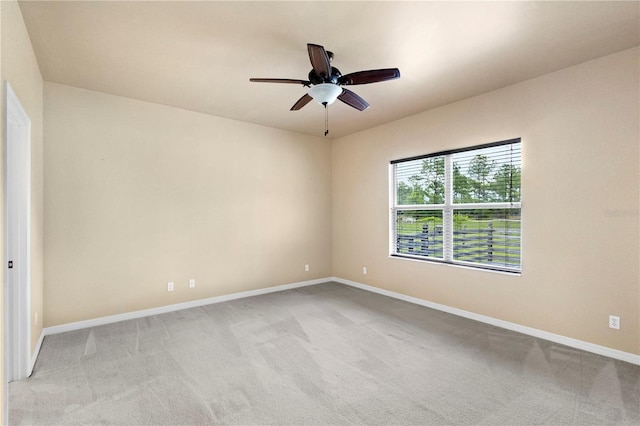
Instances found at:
x=448 y=209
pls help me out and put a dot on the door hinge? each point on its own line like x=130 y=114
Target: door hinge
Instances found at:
x=11 y=264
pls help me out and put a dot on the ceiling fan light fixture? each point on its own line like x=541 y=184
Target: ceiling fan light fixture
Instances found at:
x=325 y=93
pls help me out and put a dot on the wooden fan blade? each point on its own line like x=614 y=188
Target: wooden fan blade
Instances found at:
x=301 y=102
x=353 y=100
x=280 y=80
x=319 y=60
x=370 y=76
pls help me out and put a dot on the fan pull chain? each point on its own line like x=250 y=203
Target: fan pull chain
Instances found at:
x=326 y=119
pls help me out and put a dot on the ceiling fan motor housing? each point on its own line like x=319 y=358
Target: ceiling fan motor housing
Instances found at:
x=315 y=78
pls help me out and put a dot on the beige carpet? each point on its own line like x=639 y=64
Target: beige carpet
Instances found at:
x=325 y=354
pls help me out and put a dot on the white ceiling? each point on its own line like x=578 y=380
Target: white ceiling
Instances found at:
x=199 y=55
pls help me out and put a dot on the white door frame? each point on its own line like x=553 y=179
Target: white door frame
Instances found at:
x=17 y=243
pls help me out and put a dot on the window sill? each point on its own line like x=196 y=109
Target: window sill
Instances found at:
x=458 y=265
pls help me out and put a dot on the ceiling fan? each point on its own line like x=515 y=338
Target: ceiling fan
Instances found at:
x=325 y=81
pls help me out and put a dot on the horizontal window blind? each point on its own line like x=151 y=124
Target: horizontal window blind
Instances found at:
x=460 y=206
x=487 y=175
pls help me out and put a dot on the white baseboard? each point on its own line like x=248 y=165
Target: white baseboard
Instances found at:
x=563 y=340
x=176 y=307
x=36 y=352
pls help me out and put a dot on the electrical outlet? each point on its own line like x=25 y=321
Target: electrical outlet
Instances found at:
x=170 y=286
x=364 y=270
x=614 y=322
x=192 y=283
x=306 y=267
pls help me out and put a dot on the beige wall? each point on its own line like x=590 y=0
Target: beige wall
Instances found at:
x=139 y=194
x=20 y=68
x=580 y=139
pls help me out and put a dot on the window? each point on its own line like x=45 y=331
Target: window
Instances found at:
x=460 y=207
